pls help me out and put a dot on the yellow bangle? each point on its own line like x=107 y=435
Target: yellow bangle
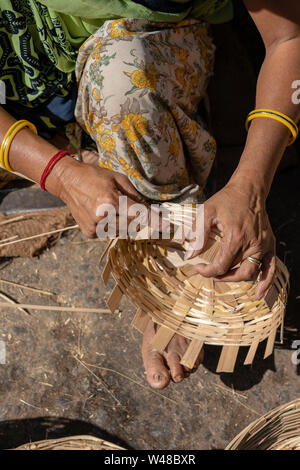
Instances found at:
x=277 y=116
x=8 y=138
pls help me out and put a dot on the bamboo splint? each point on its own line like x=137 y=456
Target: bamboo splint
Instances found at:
x=277 y=430
x=167 y=289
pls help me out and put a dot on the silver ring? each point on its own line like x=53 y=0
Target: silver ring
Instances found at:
x=255 y=261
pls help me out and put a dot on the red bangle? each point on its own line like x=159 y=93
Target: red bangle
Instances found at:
x=50 y=166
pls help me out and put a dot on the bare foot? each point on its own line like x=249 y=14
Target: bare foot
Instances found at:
x=162 y=368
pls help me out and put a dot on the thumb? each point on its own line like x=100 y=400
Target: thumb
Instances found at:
x=126 y=187
x=206 y=227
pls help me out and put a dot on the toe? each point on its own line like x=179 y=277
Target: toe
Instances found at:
x=176 y=369
x=158 y=375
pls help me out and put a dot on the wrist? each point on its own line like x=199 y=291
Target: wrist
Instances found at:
x=250 y=182
x=60 y=175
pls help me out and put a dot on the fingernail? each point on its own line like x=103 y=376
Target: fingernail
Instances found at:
x=157 y=377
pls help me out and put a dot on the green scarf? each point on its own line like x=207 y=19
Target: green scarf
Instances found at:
x=40 y=39
x=208 y=10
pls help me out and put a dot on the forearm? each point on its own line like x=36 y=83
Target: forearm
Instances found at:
x=267 y=139
x=29 y=155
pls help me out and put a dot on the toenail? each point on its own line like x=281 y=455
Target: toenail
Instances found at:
x=157 y=377
x=178 y=378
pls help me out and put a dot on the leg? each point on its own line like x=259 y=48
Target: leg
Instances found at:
x=139 y=90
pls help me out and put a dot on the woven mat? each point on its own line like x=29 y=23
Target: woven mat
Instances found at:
x=30 y=224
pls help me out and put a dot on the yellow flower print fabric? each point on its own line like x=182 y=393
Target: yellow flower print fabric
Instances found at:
x=140 y=84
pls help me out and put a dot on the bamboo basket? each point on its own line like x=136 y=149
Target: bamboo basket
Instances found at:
x=71 y=443
x=167 y=289
x=277 y=430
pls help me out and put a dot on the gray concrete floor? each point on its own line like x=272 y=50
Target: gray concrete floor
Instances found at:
x=72 y=373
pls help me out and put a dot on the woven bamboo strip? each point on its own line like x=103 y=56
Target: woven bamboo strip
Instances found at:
x=115 y=299
x=162 y=338
x=190 y=356
x=140 y=321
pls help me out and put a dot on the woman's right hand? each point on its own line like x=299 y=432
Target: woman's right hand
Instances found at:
x=84 y=188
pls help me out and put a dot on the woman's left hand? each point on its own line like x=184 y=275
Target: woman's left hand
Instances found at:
x=239 y=212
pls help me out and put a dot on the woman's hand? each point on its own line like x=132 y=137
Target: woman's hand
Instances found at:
x=239 y=212
x=84 y=188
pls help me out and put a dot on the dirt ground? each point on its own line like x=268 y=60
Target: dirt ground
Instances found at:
x=74 y=373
